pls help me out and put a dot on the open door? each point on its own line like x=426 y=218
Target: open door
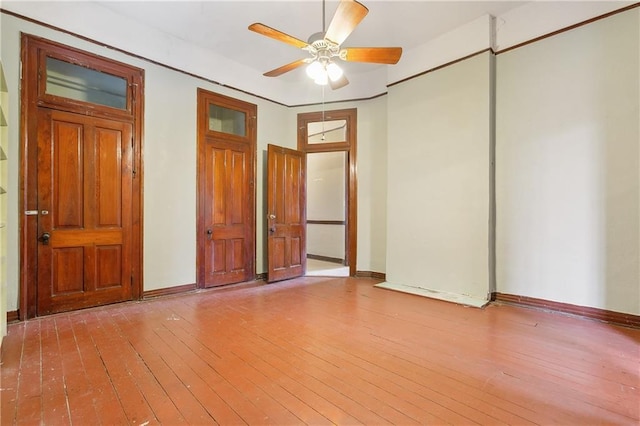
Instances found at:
x=286 y=213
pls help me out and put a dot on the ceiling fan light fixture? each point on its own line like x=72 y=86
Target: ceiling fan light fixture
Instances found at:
x=334 y=71
x=315 y=69
x=322 y=79
x=321 y=72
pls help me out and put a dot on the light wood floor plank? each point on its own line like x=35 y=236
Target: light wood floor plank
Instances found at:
x=29 y=401
x=317 y=351
x=10 y=364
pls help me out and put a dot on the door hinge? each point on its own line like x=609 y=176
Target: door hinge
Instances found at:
x=21 y=70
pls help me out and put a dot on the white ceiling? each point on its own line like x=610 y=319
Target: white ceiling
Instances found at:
x=210 y=38
x=221 y=26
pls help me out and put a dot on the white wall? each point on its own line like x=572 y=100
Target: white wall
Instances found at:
x=568 y=196
x=372 y=185
x=326 y=185
x=326 y=240
x=169 y=160
x=438 y=179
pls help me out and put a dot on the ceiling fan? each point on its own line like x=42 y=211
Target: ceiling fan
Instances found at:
x=324 y=48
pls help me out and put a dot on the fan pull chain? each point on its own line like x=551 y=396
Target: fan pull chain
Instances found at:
x=322 y=113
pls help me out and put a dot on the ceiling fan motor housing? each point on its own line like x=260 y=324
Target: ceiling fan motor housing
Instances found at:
x=322 y=49
x=316 y=37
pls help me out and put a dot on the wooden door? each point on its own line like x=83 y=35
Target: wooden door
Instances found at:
x=84 y=211
x=228 y=240
x=286 y=213
x=226 y=190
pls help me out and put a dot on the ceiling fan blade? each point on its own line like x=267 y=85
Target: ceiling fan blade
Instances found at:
x=341 y=82
x=276 y=35
x=377 y=55
x=347 y=17
x=285 y=68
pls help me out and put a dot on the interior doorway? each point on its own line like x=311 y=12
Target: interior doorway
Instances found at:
x=328 y=138
x=327 y=213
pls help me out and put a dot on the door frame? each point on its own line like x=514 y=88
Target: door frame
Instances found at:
x=205 y=98
x=349 y=146
x=34 y=51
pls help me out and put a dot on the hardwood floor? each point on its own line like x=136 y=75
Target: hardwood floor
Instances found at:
x=317 y=351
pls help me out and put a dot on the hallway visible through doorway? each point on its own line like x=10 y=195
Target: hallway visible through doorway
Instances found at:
x=322 y=268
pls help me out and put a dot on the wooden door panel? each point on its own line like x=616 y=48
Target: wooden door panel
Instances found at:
x=216 y=184
x=236 y=261
x=68 y=165
x=67 y=271
x=296 y=250
x=286 y=206
x=108 y=266
x=227 y=217
x=237 y=188
x=108 y=177
x=277 y=248
x=84 y=198
x=217 y=260
x=292 y=194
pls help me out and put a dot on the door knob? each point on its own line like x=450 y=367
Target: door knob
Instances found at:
x=209 y=232
x=272 y=216
x=44 y=238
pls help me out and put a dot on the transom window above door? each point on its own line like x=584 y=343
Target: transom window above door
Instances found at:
x=80 y=83
x=227 y=120
x=77 y=81
x=327 y=131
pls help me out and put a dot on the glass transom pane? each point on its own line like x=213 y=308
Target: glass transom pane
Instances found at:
x=327 y=131
x=84 y=84
x=227 y=120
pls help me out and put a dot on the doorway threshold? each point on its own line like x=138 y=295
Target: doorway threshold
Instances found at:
x=461 y=299
x=320 y=268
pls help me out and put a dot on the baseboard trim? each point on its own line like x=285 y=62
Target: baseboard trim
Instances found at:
x=613 y=317
x=13 y=316
x=325 y=258
x=369 y=274
x=168 y=291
